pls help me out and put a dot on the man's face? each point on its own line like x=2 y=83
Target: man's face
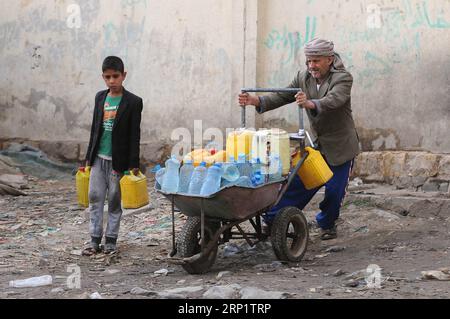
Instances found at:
x=318 y=66
x=114 y=79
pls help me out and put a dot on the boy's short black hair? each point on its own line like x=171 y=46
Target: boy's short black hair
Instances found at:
x=113 y=63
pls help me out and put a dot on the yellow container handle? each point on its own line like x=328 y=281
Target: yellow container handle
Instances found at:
x=297 y=154
x=138 y=175
x=309 y=149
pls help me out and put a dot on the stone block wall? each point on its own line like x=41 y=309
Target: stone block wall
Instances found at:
x=420 y=170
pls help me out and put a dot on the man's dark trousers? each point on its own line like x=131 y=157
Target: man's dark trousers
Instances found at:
x=298 y=196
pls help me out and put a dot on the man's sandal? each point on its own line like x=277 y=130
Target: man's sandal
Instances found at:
x=327 y=234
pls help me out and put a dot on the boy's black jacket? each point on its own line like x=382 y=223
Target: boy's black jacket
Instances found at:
x=126 y=132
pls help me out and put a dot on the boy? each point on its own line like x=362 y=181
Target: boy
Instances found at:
x=113 y=149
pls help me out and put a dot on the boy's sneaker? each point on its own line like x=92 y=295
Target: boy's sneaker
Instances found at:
x=94 y=247
x=110 y=245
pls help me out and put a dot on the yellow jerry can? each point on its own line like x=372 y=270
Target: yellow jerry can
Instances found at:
x=239 y=142
x=197 y=156
x=315 y=171
x=202 y=155
x=217 y=157
x=82 y=183
x=134 y=190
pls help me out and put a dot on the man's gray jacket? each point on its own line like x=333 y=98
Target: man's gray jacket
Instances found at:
x=332 y=122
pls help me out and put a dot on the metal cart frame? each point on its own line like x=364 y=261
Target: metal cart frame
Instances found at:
x=211 y=219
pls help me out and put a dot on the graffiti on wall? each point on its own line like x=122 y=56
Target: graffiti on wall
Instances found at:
x=398 y=30
x=289 y=43
x=120 y=39
x=9 y=33
x=124 y=38
x=400 y=34
x=423 y=17
x=133 y=3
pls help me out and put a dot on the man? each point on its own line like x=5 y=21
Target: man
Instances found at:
x=326 y=89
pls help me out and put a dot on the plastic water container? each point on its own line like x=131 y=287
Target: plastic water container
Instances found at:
x=208 y=156
x=185 y=176
x=32 y=282
x=213 y=147
x=197 y=179
x=239 y=142
x=244 y=167
x=134 y=190
x=159 y=175
x=230 y=172
x=212 y=180
x=82 y=184
x=244 y=181
x=257 y=178
x=265 y=171
x=275 y=168
x=171 y=176
x=267 y=143
x=314 y=171
x=217 y=157
x=197 y=156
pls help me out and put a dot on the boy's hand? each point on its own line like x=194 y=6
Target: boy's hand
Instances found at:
x=135 y=171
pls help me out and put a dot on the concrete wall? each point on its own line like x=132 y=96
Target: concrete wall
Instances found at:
x=185 y=58
x=397 y=50
x=188 y=59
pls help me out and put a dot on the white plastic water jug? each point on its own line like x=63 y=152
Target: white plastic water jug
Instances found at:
x=268 y=143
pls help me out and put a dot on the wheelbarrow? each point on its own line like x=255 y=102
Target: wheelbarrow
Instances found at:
x=216 y=219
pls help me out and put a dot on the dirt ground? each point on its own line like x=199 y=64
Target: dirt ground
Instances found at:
x=44 y=233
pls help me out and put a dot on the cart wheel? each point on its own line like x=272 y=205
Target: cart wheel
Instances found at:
x=189 y=244
x=290 y=234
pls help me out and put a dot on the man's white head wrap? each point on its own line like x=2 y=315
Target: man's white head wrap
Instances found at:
x=319 y=47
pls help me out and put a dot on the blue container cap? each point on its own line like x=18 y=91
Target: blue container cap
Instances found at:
x=203 y=164
x=242 y=157
x=156 y=168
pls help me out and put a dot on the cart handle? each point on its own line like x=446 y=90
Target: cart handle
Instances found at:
x=266 y=90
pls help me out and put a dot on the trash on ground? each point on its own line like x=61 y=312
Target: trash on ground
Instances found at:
x=441 y=274
x=34 y=162
x=31 y=282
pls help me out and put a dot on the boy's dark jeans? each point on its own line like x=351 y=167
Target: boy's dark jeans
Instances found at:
x=104 y=181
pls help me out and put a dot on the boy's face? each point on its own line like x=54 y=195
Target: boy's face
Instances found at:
x=114 y=79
